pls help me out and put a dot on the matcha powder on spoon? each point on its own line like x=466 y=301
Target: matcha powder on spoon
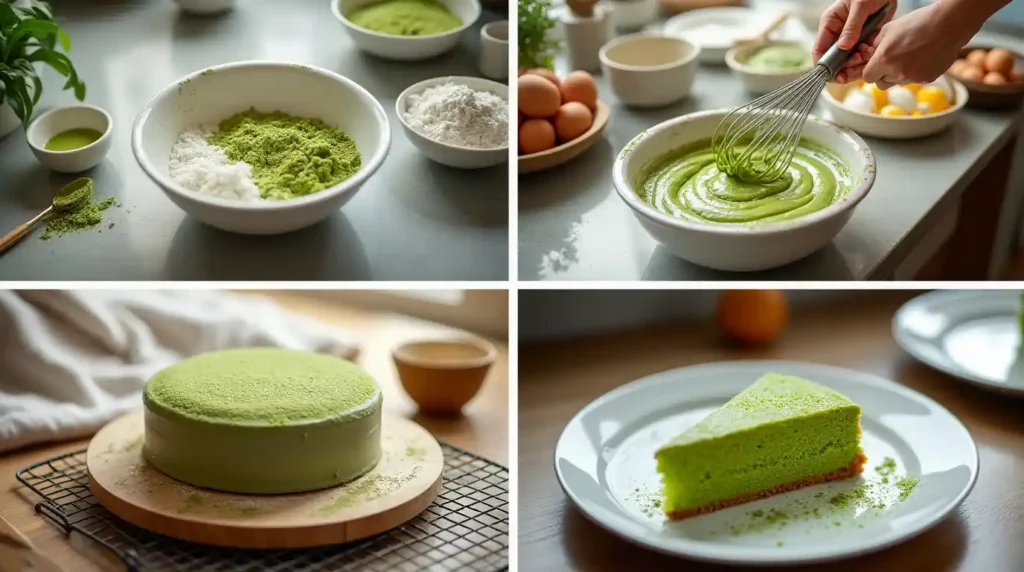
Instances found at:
x=290 y=156
x=74 y=209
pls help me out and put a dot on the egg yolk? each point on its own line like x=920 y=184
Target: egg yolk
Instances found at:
x=917 y=113
x=934 y=97
x=913 y=87
x=892 y=111
x=878 y=97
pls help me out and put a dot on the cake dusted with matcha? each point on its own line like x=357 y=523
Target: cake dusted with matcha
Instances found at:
x=780 y=434
x=263 y=420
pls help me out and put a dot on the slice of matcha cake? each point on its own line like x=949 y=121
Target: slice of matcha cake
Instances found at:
x=780 y=434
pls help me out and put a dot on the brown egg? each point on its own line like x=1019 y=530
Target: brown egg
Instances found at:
x=994 y=78
x=521 y=118
x=546 y=74
x=538 y=97
x=536 y=135
x=573 y=120
x=972 y=73
x=958 y=67
x=999 y=60
x=580 y=86
x=977 y=58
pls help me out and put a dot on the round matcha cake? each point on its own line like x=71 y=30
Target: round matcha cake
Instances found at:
x=263 y=420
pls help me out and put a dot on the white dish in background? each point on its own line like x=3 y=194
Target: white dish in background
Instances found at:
x=214 y=94
x=884 y=127
x=971 y=335
x=453 y=155
x=632 y=15
x=740 y=248
x=715 y=30
x=78 y=116
x=649 y=69
x=759 y=81
x=406 y=48
x=606 y=453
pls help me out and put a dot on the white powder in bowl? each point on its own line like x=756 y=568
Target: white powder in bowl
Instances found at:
x=205 y=169
x=456 y=114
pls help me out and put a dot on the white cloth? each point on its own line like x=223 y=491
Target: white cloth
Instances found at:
x=72 y=360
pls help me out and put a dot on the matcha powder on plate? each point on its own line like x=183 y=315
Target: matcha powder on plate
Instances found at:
x=290 y=156
x=405 y=18
x=74 y=209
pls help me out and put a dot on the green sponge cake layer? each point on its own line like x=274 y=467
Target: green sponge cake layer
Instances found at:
x=263 y=420
x=779 y=434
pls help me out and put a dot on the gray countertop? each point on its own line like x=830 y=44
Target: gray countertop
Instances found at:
x=413 y=220
x=573 y=226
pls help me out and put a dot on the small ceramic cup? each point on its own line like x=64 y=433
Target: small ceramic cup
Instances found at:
x=494 y=50
x=441 y=376
x=55 y=121
x=205 y=7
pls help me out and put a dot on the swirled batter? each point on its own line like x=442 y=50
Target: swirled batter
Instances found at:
x=686 y=183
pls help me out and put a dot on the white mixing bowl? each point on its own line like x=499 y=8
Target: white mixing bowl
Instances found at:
x=211 y=95
x=740 y=248
x=406 y=48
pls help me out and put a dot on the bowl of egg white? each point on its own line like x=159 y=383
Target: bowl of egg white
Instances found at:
x=900 y=112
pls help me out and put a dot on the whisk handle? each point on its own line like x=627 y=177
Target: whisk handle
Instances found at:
x=834 y=58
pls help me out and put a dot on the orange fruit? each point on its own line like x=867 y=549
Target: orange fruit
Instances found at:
x=752 y=317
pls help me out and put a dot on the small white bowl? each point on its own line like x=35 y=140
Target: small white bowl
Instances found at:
x=453 y=155
x=759 y=81
x=632 y=15
x=212 y=95
x=205 y=7
x=493 y=60
x=406 y=48
x=740 y=248
x=649 y=69
x=58 y=120
x=883 y=127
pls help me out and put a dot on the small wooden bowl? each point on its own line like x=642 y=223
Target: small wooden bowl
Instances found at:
x=984 y=96
x=441 y=376
x=567 y=151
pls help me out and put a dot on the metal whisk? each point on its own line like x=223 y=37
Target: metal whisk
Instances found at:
x=756 y=142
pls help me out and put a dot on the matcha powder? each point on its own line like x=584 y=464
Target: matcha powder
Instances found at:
x=290 y=156
x=405 y=17
x=74 y=209
x=263 y=385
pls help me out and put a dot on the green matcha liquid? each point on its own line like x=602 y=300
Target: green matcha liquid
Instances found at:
x=73 y=139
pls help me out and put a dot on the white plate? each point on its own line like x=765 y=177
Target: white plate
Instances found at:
x=604 y=461
x=972 y=335
x=716 y=29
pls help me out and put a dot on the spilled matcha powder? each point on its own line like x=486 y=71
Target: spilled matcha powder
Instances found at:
x=290 y=156
x=74 y=209
x=405 y=17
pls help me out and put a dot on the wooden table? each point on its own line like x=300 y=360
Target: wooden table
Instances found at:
x=556 y=380
x=483 y=429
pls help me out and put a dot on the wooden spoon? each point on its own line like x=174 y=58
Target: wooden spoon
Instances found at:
x=66 y=199
x=762 y=36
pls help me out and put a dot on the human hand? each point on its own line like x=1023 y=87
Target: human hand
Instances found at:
x=916 y=48
x=842 y=23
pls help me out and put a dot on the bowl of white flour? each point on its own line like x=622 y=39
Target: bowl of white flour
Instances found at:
x=168 y=135
x=461 y=122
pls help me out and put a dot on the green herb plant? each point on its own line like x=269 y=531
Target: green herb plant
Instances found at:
x=535 y=48
x=29 y=35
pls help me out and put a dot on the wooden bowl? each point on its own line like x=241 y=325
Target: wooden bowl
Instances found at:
x=984 y=96
x=567 y=151
x=441 y=376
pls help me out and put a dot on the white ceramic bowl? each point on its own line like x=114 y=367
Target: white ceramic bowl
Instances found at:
x=406 y=48
x=740 y=248
x=630 y=15
x=453 y=155
x=759 y=81
x=55 y=121
x=649 y=69
x=715 y=29
x=209 y=96
x=883 y=127
x=205 y=6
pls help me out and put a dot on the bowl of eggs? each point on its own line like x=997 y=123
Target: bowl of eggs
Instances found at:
x=559 y=118
x=991 y=75
x=900 y=112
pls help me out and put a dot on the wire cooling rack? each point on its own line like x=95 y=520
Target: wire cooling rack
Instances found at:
x=466 y=528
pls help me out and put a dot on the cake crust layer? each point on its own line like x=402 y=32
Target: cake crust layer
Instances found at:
x=855 y=468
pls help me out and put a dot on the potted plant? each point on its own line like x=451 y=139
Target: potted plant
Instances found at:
x=28 y=35
x=536 y=46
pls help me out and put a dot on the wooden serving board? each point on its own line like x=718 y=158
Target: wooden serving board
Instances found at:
x=404 y=483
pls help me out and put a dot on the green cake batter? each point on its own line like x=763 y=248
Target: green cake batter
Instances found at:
x=263 y=420
x=687 y=183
